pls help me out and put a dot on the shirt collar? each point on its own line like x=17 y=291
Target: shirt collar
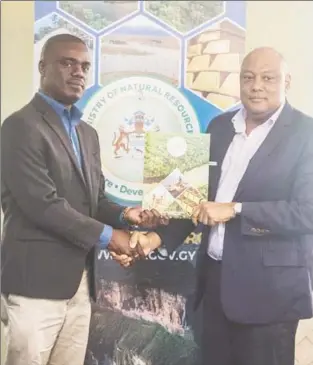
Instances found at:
x=74 y=114
x=239 y=119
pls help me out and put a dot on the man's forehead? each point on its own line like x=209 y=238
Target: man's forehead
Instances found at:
x=261 y=68
x=70 y=50
x=263 y=60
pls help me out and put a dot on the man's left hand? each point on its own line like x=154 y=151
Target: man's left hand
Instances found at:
x=120 y=244
x=141 y=242
x=211 y=213
x=145 y=218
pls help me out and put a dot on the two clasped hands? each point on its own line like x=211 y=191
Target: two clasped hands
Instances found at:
x=126 y=247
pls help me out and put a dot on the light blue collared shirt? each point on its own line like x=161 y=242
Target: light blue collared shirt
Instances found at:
x=70 y=119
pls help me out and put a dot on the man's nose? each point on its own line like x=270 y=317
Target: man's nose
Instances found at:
x=257 y=84
x=78 y=71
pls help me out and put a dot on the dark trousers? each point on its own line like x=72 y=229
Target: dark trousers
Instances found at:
x=228 y=343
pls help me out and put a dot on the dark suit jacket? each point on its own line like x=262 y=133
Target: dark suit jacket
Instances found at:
x=268 y=250
x=52 y=210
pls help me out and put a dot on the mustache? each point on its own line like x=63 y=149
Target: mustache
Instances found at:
x=76 y=81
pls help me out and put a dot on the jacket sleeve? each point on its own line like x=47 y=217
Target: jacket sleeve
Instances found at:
x=25 y=174
x=107 y=211
x=175 y=233
x=292 y=217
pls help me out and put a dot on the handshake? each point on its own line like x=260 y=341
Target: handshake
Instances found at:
x=126 y=247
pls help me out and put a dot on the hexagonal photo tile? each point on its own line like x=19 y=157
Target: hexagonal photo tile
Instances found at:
x=184 y=16
x=142 y=48
x=54 y=24
x=213 y=63
x=98 y=14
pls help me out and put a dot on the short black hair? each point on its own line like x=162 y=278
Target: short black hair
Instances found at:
x=59 y=38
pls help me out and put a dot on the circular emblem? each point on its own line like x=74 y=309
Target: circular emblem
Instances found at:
x=122 y=112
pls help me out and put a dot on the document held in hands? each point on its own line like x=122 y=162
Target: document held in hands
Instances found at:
x=176 y=172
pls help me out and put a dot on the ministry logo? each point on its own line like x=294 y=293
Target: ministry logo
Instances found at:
x=122 y=112
x=129 y=139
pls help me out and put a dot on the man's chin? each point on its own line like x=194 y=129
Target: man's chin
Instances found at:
x=260 y=108
x=72 y=98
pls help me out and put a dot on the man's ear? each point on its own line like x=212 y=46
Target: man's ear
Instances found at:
x=287 y=82
x=41 y=67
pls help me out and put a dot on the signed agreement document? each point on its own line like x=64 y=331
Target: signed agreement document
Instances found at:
x=176 y=172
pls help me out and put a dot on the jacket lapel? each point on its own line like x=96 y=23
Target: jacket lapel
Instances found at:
x=86 y=158
x=55 y=124
x=275 y=137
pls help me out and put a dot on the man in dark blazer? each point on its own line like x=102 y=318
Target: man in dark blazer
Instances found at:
x=55 y=214
x=255 y=261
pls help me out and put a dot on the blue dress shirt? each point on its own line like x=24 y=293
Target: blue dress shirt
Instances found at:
x=70 y=119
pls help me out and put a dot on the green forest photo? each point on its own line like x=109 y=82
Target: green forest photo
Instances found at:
x=98 y=14
x=184 y=15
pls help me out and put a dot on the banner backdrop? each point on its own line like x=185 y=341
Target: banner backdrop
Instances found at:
x=166 y=66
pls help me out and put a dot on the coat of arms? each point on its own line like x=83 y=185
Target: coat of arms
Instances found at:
x=128 y=139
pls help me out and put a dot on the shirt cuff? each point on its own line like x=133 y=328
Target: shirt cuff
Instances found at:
x=106 y=236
